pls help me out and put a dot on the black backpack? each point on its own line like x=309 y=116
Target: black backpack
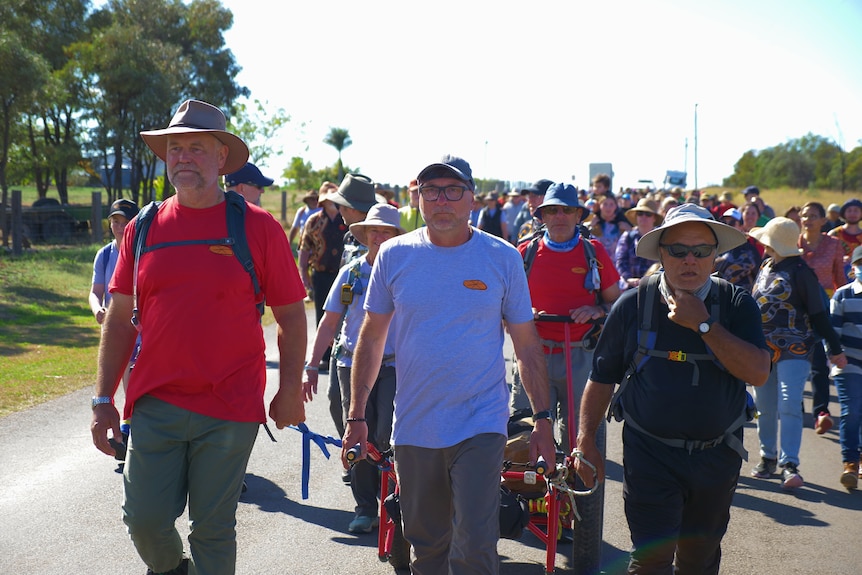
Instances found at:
x=236 y=239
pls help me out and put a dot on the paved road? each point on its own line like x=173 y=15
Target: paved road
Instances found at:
x=60 y=508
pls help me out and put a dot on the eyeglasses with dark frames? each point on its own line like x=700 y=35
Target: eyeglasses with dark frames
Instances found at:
x=452 y=193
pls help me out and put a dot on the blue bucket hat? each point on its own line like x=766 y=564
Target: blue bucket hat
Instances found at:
x=563 y=195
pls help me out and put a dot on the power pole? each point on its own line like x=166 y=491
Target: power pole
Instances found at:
x=695 y=147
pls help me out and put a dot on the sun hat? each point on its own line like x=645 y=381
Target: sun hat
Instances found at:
x=125 y=208
x=379 y=215
x=728 y=237
x=849 y=203
x=356 y=191
x=248 y=174
x=539 y=188
x=196 y=116
x=732 y=213
x=781 y=234
x=312 y=195
x=857 y=255
x=644 y=205
x=833 y=208
x=563 y=195
x=449 y=166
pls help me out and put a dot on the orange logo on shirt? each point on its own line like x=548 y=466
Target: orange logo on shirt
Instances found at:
x=222 y=250
x=475 y=284
x=581 y=271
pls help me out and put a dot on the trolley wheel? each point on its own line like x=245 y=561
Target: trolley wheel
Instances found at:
x=587 y=534
x=399 y=556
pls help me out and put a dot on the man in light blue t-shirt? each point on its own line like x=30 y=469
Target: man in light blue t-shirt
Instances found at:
x=454 y=289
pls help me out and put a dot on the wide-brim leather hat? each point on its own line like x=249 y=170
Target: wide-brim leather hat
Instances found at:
x=644 y=206
x=197 y=116
x=781 y=234
x=356 y=191
x=379 y=215
x=727 y=236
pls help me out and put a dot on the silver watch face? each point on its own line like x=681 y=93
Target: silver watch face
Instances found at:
x=703 y=327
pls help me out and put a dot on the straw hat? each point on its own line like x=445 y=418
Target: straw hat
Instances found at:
x=196 y=116
x=728 y=237
x=644 y=205
x=781 y=234
x=379 y=215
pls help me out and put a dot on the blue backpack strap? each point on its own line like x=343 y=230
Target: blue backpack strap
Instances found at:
x=236 y=232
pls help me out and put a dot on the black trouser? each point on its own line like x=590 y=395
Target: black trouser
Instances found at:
x=321 y=283
x=677 y=504
x=819 y=380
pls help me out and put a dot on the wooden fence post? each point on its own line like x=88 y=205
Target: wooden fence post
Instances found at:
x=17 y=224
x=96 y=217
x=283 y=207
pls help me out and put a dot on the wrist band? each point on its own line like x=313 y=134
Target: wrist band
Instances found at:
x=310 y=367
x=544 y=414
x=355 y=419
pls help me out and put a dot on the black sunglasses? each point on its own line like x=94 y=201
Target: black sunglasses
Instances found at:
x=681 y=250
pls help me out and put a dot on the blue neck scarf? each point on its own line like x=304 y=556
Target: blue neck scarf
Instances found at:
x=566 y=246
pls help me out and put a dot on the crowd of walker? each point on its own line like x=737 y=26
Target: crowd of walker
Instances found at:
x=676 y=301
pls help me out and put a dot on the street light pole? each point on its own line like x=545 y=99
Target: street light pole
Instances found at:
x=695 y=147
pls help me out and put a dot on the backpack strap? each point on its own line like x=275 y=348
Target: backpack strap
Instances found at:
x=236 y=232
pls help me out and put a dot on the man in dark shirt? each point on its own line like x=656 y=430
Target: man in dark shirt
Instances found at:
x=685 y=405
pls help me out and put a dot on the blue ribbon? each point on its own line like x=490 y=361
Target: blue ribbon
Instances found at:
x=307 y=437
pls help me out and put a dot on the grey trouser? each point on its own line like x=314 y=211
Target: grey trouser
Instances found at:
x=174 y=455
x=582 y=363
x=450 y=505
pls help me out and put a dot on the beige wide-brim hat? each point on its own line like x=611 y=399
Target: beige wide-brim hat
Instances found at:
x=379 y=215
x=728 y=237
x=196 y=116
x=781 y=234
x=644 y=205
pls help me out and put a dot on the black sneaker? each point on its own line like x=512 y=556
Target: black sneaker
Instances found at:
x=790 y=477
x=765 y=468
x=181 y=569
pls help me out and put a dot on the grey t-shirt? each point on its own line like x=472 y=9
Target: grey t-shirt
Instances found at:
x=450 y=304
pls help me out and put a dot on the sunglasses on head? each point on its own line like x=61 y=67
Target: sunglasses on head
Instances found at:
x=681 y=250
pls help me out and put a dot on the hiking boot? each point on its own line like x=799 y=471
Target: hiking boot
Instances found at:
x=823 y=423
x=850 y=477
x=790 y=477
x=181 y=569
x=765 y=468
x=363 y=524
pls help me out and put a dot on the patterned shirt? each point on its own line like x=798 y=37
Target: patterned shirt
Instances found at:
x=324 y=238
x=628 y=263
x=827 y=261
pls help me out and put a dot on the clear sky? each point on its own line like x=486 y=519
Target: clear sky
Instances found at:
x=530 y=90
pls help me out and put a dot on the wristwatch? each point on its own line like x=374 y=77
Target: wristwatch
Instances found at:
x=705 y=326
x=544 y=414
x=99 y=400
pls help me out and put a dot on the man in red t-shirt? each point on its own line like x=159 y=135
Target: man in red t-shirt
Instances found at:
x=195 y=396
x=557 y=277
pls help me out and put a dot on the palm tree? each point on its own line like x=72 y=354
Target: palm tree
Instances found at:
x=338 y=138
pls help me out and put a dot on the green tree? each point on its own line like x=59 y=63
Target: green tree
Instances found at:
x=24 y=75
x=259 y=129
x=299 y=175
x=338 y=138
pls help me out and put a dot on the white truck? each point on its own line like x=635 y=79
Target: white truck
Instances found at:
x=674 y=179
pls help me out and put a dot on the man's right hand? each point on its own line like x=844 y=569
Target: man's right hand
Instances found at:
x=587 y=446
x=105 y=417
